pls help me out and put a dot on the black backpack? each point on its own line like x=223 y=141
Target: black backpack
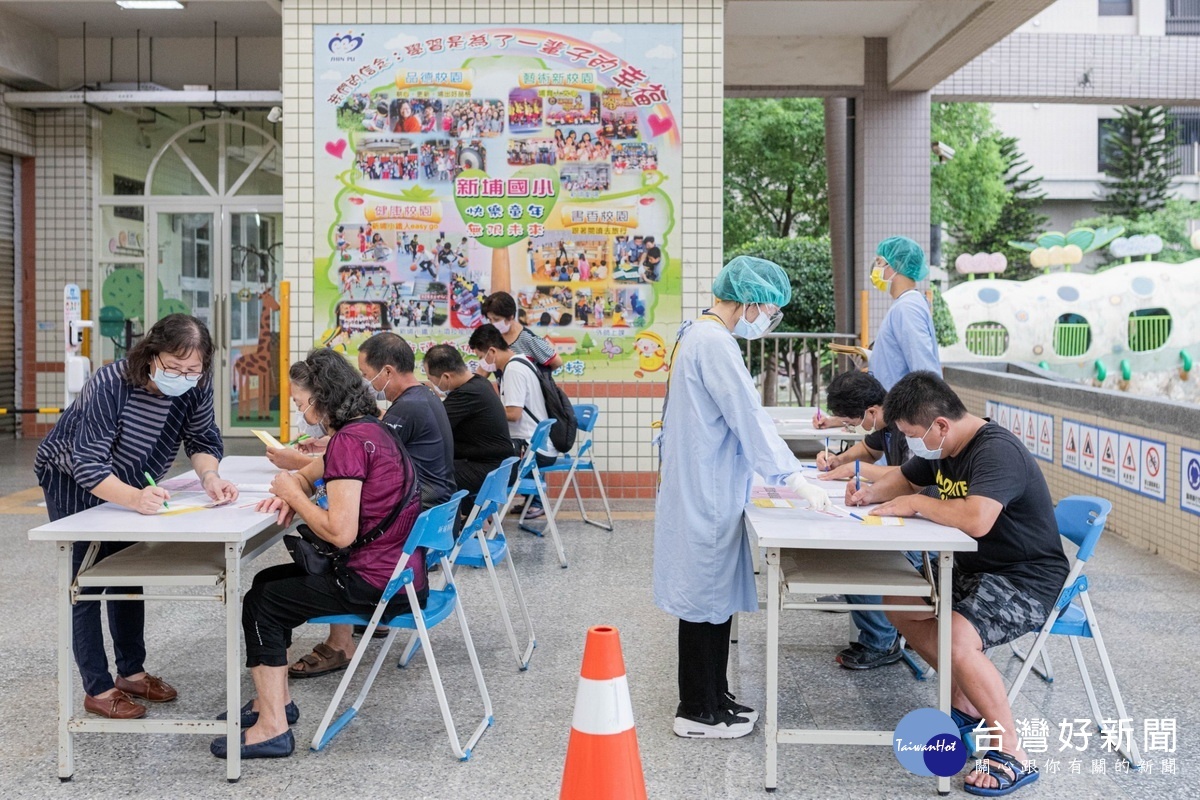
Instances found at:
x=558 y=407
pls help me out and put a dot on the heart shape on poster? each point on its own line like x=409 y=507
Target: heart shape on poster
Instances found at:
x=659 y=125
x=336 y=149
x=469 y=207
x=358 y=201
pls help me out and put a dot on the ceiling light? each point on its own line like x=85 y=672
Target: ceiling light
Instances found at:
x=151 y=5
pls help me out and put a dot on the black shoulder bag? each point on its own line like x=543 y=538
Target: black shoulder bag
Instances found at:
x=318 y=557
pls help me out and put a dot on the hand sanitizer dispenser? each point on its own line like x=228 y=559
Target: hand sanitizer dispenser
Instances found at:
x=77 y=368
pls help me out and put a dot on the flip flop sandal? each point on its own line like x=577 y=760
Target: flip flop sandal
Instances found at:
x=966 y=727
x=1007 y=783
x=321 y=661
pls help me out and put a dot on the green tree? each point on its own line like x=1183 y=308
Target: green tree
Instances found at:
x=1020 y=218
x=587 y=345
x=943 y=320
x=968 y=192
x=1141 y=156
x=1171 y=223
x=775 y=182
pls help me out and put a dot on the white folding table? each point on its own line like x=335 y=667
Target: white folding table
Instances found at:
x=832 y=555
x=794 y=424
x=206 y=548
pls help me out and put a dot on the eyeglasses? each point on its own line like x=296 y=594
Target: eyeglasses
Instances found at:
x=775 y=316
x=174 y=373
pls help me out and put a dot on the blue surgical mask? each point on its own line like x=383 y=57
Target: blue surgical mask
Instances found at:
x=917 y=447
x=171 y=385
x=752 y=330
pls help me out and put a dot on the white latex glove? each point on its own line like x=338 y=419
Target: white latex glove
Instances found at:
x=815 y=495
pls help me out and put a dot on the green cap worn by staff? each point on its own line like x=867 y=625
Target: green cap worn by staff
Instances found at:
x=747 y=279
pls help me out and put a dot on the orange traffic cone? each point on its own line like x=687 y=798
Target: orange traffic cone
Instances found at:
x=602 y=756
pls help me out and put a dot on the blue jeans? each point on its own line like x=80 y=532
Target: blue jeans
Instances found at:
x=874 y=630
x=126 y=622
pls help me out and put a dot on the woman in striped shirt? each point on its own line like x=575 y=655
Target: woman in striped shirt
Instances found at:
x=126 y=423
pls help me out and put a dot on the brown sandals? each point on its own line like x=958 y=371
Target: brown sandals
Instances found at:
x=321 y=661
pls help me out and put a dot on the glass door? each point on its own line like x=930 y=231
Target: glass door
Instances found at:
x=254 y=253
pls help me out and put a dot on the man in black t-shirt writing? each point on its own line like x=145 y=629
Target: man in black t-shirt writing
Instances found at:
x=477 y=419
x=991 y=489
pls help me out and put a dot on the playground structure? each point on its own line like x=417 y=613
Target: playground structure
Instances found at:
x=1135 y=318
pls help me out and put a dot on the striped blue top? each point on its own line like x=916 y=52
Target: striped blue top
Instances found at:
x=116 y=428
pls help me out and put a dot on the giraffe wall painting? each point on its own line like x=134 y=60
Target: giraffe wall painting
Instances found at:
x=255 y=369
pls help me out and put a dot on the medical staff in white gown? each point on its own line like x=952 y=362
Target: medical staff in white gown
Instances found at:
x=715 y=436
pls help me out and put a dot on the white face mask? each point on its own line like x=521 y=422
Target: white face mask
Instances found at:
x=863 y=429
x=762 y=325
x=380 y=394
x=486 y=365
x=504 y=326
x=917 y=447
x=171 y=385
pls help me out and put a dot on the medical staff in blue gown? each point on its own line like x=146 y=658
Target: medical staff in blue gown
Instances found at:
x=715 y=436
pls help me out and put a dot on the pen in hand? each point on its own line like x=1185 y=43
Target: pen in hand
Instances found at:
x=857 y=483
x=150 y=480
x=298 y=439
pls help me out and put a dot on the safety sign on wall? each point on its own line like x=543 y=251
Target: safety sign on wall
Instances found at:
x=1189 y=481
x=1070 y=453
x=1132 y=462
x=1109 y=446
x=1034 y=430
x=1154 y=463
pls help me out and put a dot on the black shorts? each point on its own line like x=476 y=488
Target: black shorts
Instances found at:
x=999 y=611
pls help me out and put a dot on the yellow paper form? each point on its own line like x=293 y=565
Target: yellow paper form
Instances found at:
x=887 y=522
x=268 y=439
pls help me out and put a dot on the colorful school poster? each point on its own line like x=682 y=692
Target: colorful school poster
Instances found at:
x=452 y=161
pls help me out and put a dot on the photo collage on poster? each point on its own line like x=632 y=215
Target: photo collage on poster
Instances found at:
x=482 y=174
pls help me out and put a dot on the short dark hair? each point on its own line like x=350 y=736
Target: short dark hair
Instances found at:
x=338 y=391
x=176 y=334
x=485 y=337
x=443 y=358
x=386 y=348
x=921 y=397
x=850 y=394
x=501 y=304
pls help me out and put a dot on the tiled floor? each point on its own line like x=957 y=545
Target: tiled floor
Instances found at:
x=397 y=747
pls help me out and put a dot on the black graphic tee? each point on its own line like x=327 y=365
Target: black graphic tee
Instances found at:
x=1023 y=544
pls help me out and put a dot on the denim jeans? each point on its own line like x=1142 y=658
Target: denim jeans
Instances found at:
x=874 y=630
x=126 y=622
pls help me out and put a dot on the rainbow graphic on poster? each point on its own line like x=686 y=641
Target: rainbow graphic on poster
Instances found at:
x=452 y=161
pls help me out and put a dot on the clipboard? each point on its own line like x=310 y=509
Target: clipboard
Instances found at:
x=268 y=439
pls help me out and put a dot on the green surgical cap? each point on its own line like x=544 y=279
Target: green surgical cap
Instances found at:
x=747 y=279
x=905 y=256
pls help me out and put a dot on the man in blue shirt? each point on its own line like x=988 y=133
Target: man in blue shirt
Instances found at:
x=906 y=341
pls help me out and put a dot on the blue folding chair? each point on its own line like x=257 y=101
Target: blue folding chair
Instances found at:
x=482 y=545
x=530 y=482
x=583 y=460
x=1080 y=519
x=434 y=530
